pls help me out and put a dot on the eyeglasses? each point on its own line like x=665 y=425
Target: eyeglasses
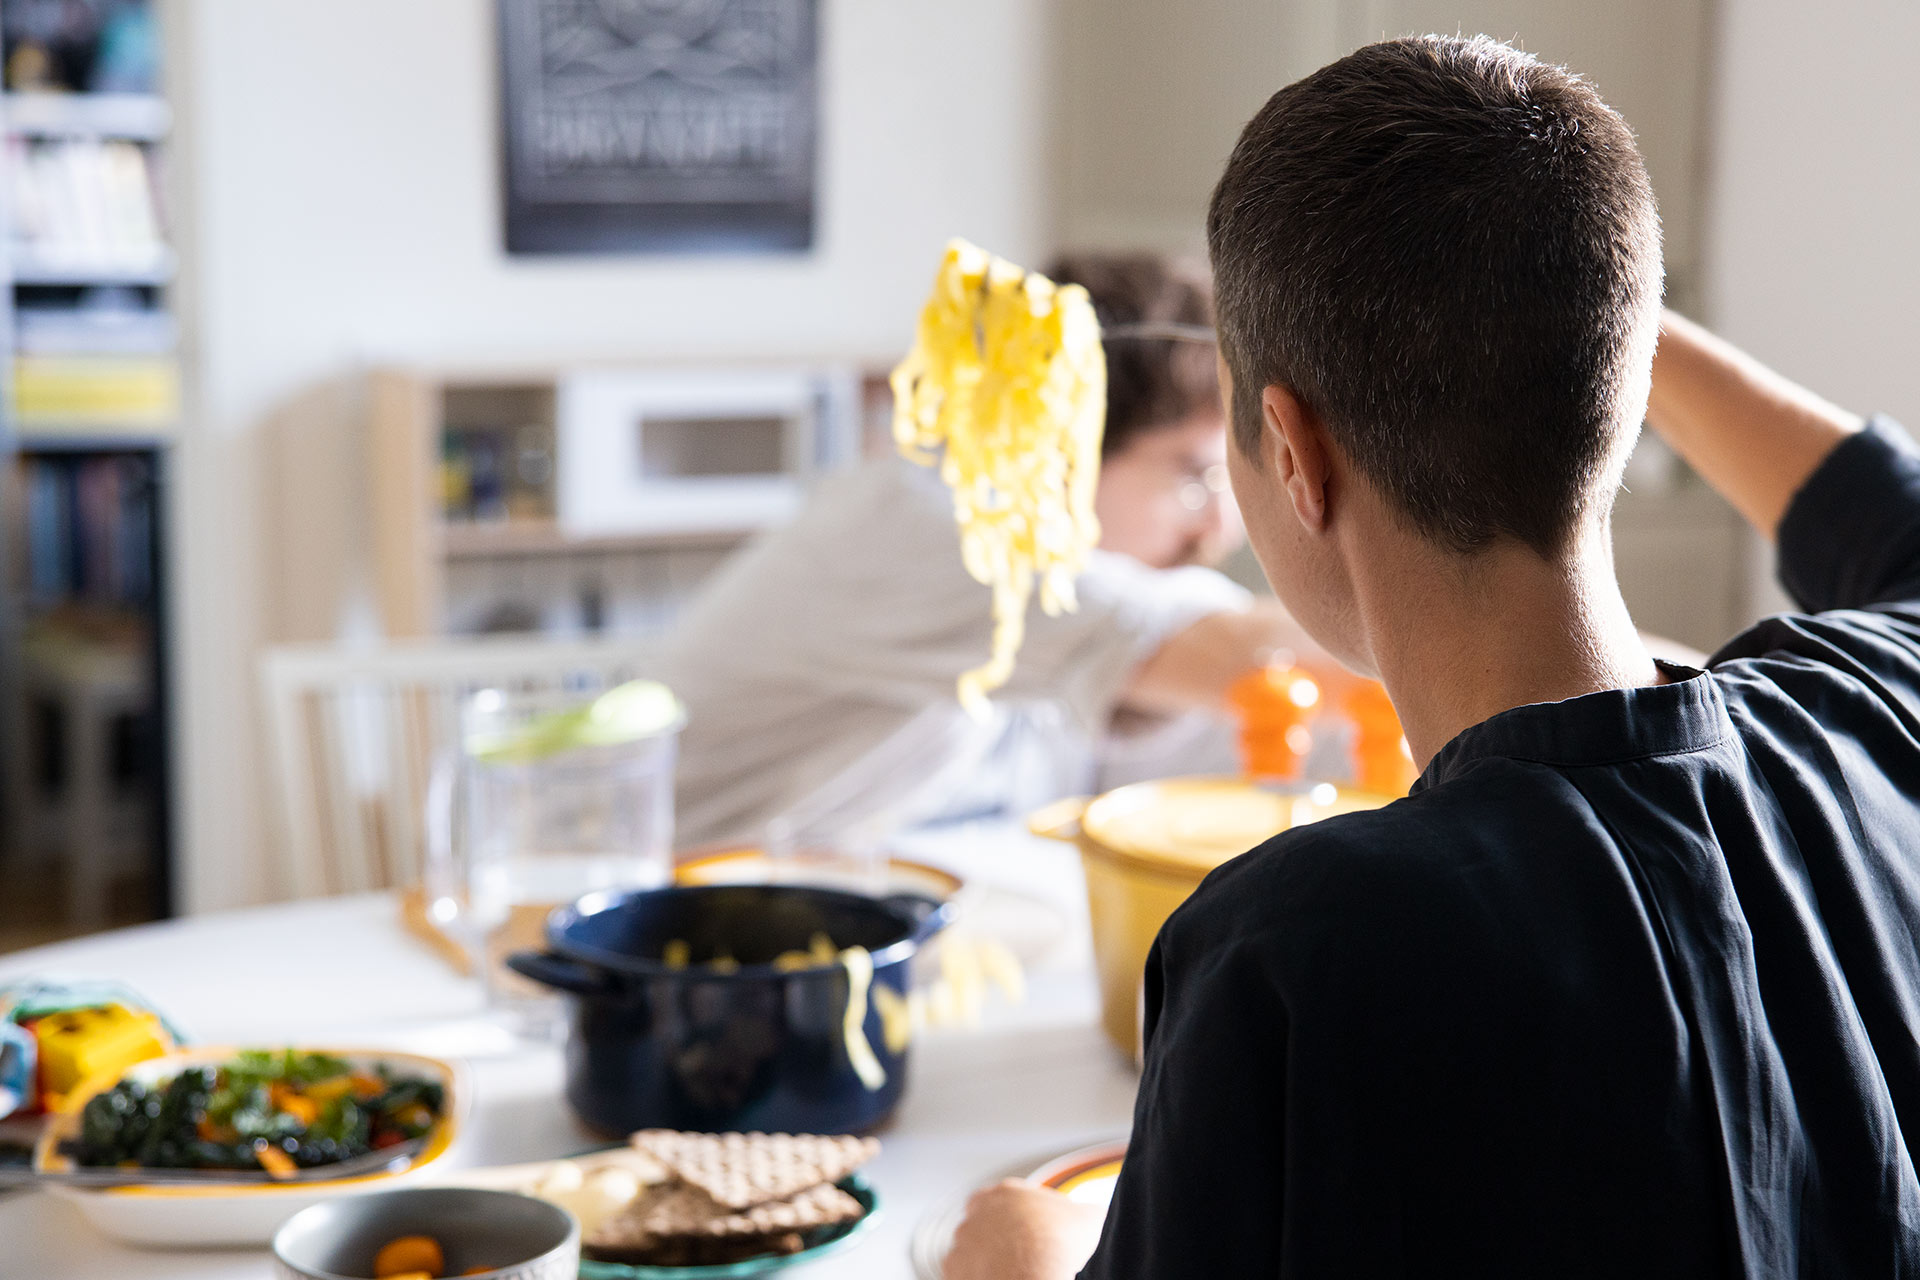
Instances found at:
x=1205 y=489
x=1160 y=330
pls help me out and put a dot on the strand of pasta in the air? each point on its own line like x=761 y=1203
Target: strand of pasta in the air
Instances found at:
x=1005 y=389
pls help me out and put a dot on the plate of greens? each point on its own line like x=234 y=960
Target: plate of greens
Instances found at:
x=280 y=1111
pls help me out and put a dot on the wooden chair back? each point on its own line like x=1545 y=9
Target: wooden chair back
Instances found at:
x=354 y=733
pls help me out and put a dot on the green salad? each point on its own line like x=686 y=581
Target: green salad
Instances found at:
x=274 y=1110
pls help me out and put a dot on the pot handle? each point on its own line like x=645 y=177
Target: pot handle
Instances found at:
x=557 y=971
x=1059 y=820
x=930 y=915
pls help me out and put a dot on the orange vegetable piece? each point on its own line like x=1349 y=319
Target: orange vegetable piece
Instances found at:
x=411 y=1275
x=409 y=1256
x=476 y=1271
x=275 y=1161
x=294 y=1103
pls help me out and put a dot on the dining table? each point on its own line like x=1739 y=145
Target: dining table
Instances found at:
x=1031 y=1081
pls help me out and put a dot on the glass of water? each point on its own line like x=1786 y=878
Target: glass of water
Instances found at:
x=563 y=795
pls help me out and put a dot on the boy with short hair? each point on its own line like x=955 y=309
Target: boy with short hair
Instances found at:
x=1629 y=985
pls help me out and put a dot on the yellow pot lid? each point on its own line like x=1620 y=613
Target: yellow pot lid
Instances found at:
x=1195 y=824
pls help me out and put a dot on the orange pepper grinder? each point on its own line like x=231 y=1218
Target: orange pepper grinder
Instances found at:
x=1382 y=762
x=1273 y=704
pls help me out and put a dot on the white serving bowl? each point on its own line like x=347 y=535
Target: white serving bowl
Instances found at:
x=518 y=1237
x=235 y=1214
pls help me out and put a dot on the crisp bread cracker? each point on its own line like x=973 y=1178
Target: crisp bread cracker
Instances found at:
x=676 y=1224
x=683 y=1210
x=623 y=1233
x=740 y=1170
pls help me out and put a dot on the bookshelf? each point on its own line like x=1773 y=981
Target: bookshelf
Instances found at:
x=89 y=409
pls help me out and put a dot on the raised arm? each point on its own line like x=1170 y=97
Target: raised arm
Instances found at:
x=1750 y=433
x=1196 y=665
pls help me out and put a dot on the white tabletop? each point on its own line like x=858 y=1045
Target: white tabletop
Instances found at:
x=1032 y=1082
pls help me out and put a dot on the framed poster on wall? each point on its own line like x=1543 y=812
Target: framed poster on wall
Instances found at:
x=658 y=126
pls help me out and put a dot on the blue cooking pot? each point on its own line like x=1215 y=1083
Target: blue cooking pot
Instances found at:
x=653 y=1045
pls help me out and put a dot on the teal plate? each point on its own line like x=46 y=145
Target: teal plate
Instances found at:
x=821 y=1242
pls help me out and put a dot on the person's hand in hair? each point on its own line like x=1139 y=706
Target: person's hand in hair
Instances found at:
x=1017 y=1231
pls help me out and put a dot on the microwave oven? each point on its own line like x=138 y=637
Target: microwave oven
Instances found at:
x=684 y=451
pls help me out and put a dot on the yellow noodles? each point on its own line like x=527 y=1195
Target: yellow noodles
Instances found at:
x=853 y=1025
x=896 y=1017
x=1006 y=386
x=968 y=967
x=820 y=951
x=677 y=954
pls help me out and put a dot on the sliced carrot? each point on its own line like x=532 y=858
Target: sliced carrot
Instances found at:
x=294 y=1103
x=408 y=1255
x=275 y=1161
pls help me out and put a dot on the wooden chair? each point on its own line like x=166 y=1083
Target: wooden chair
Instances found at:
x=353 y=734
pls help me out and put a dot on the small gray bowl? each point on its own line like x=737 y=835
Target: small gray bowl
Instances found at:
x=520 y=1237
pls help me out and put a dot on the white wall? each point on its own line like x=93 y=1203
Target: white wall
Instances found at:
x=1813 y=261
x=1154 y=96
x=1814 y=224
x=339 y=208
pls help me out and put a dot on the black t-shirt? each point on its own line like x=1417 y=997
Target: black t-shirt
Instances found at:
x=1628 y=987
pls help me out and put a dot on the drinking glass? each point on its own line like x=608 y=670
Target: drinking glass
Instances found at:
x=558 y=796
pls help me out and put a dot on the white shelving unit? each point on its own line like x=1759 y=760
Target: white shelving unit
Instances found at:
x=153 y=271
x=136 y=117
x=436 y=574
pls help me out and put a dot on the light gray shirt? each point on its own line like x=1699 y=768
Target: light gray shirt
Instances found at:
x=818 y=669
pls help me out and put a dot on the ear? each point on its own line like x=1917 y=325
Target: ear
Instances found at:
x=1295 y=446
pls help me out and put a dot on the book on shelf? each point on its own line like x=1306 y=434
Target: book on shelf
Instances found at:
x=82 y=207
x=87 y=528
x=106 y=391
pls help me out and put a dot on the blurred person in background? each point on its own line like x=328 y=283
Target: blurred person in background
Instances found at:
x=819 y=666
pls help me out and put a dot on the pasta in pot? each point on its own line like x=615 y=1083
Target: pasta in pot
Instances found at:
x=1005 y=388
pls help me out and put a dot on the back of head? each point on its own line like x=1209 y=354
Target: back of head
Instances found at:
x=1152 y=382
x=1449 y=252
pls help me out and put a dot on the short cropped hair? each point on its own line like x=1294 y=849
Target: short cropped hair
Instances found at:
x=1449 y=251
x=1152 y=382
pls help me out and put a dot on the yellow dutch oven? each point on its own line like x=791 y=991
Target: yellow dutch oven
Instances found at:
x=1145 y=847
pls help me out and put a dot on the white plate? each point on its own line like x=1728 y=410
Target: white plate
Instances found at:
x=1086 y=1176
x=247 y=1214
